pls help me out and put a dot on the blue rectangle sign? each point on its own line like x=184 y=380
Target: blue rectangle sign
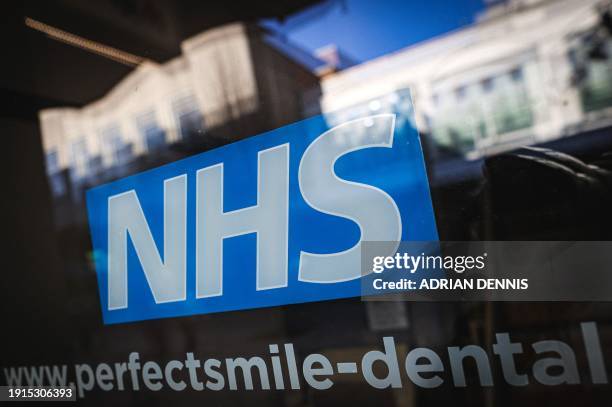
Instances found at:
x=270 y=220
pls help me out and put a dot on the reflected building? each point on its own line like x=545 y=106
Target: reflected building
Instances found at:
x=527 y=72
x=229 y=82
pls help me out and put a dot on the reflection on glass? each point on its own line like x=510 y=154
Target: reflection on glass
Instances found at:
x=189 y=119
x=154 y=136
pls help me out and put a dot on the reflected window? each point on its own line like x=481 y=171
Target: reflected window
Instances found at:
x=189 y=119
x=95 y=165
x=120 y=152
x=484 y=112
x=593 y=75
x=487 y=85
x=460 y=93
x=52 y=162
x=80 y=159
x=56 y=180
x=511 y=106
x=516 y=74
x=154 y=136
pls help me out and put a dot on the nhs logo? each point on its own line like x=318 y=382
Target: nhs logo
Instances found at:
x=270 y=220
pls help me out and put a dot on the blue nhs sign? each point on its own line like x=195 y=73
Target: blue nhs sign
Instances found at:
x=270 y=220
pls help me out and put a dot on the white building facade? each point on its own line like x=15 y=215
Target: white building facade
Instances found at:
x=227 y=81
x=519 y=75
x=508 y=80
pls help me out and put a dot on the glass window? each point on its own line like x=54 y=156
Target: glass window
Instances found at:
x=516 y=74
x=154 y=136
x=119 y=152
x=189 y=119
x=56 y=179
x=460 y=93
x=487 y=85
x=484 y=112
x=52 y=162
x=593 y=75
x=80 y=159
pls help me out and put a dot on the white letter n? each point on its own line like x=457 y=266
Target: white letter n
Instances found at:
x=167 y=278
